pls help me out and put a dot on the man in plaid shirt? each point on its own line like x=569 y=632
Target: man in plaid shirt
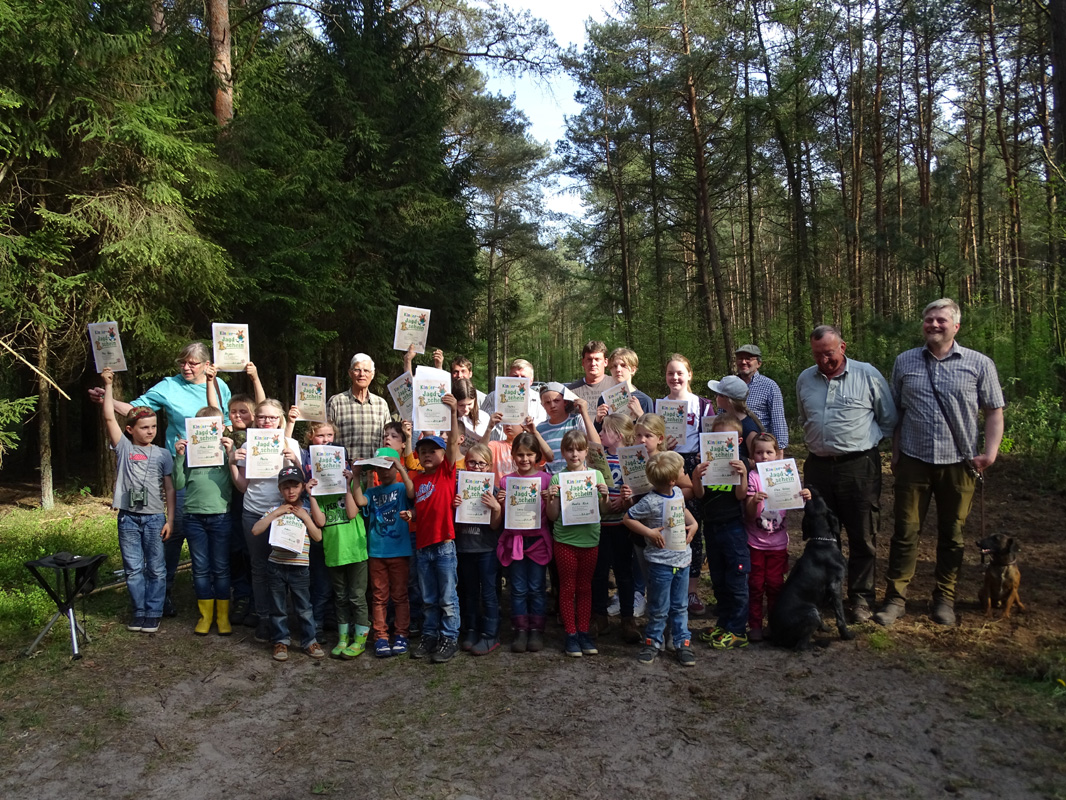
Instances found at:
x=764 y=395
x=358 y=415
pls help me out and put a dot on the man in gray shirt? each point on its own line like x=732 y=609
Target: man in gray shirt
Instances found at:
x=939 y=390
x=846 y=408
x=596 y=381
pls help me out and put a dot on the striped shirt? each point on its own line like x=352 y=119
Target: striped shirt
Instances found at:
x=765 y=402
x=359 y=425
x=966 y=381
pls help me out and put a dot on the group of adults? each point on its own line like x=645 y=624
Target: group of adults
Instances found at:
x=930 y=410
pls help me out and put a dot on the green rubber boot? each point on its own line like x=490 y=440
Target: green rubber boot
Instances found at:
x=358 y=644
x=342 y=641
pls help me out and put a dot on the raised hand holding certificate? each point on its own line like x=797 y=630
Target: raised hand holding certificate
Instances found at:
x=327 y=467
x=674 y=534
x=263 y=457
x=203 y=437
x=512 y=399
x=781 y=482
x=718 y=449
x=107 y=346
x=675 y=416
x=288 y=532
x=633 y=462
x=617 y=398
x=412 y=328
x=402 y=390
x=231 y=346
x=429 y=387
x=522 y=504
x=311 y=398
x=471 y=486
x=579 y=498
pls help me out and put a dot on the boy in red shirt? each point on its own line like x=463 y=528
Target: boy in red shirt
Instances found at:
x=435 y=557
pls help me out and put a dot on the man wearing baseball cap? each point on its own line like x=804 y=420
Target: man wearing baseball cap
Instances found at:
x=764 y=395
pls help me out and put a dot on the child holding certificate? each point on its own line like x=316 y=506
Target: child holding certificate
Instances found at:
x=575 y=507
x=662 y=519
x=260 y=495
x=208 y=491
x=475 y=543
x=767 y=537
x=727 y=552
x=287 y=565
x=526 y=550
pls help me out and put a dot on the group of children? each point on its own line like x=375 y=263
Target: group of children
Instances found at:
x=402 y=506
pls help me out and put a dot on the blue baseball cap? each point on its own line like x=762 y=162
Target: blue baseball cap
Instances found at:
x=436 y=441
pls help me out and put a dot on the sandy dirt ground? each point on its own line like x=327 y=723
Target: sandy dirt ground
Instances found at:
x=916 y=711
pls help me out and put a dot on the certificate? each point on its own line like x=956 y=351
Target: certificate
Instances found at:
x=107 y=346
x=262 y=449
x=311 y=398
x=429 y=387
x=522 y=504
x=231 y=346
x=579 y=499
x=718 y=449
x=412 y=328
x=707 y=424
x=203 y=436
x=327 y=467
x=288 y=532
x=617 y=398
x=401 y=390
x=633 y=462
x=781 y=482
x=512 y=399
x=471 y=486
x=674 y=534
x=675 y=415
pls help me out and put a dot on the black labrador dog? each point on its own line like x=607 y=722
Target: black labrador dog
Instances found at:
x=817 y=576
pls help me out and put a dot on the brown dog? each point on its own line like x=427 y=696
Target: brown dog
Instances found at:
x=1002 y=576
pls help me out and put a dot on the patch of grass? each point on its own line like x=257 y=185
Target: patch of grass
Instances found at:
x=879 y=641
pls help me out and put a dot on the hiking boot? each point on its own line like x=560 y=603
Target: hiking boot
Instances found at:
x=685 y=656
x=730 y=641
x=281 y=652
x=446 y=652
x=890 y=612
x=860 y=612
x=382 y=649
x=399 y=645
x=630 y=632
x=572 y=647
x=486 y=645
x=648 y=653
x=315 y=651
x=426 y=647
x=588 y=646
x=943 y=612
x=470 y=638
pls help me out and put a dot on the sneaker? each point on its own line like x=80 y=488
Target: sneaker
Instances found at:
x=695 y=605
x=615 y=608
x=730 y=641
x=315 y=650
x=426 y=647
x=890 y=612
x=486 y=645
x=382 y=649
x=711 y=634
x=262 y=630
x=640 y=605
x=150 y=625
x=135 y=624
x=943 y=612
x=446 y=652
x=588 y=647
x=281 y=652
x=399 y=645
x=755 y=635
x=572 y=647
x=648 y=653
x=685 y=656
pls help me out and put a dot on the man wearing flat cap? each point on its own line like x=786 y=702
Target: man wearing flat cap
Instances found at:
x=764 y=395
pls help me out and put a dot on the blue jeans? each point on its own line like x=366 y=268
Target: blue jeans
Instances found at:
x=286 y=580
x=437 y=577
x=208 y=537
x=172 y=546
x=527 y=588
x=479 y=604
x=667 y=597
x=139 y=540
x=729 y=563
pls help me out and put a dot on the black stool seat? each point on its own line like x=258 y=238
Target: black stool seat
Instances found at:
x=73 y=575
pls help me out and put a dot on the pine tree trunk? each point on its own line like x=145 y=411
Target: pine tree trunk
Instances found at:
x=44 y=416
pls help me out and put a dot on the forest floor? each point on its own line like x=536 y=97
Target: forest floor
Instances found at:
x=913 y=711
